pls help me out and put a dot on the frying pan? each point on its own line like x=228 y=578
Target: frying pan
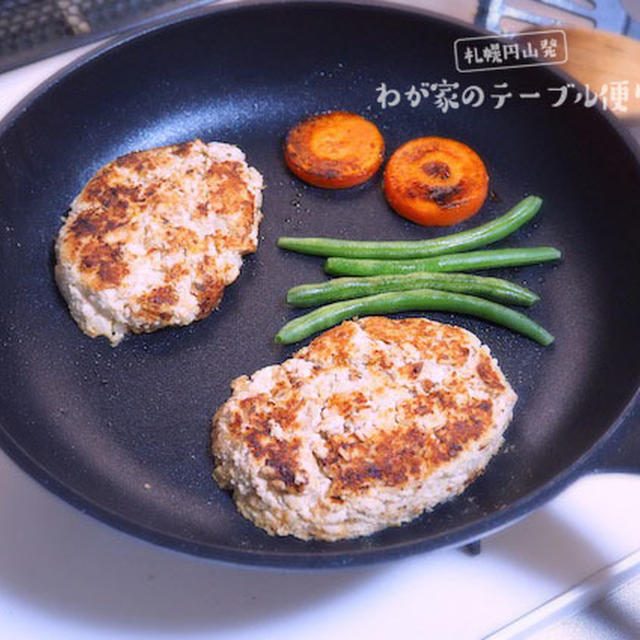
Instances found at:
x=123 y=433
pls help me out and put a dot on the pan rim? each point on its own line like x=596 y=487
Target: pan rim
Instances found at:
x=324 y=558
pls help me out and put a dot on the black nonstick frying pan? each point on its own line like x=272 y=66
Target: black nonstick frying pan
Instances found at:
x=123 y=433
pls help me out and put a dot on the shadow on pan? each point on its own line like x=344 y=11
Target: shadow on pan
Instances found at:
x=123 y=433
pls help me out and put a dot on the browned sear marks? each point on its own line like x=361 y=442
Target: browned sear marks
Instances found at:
x=371 y=423
x=155 y=236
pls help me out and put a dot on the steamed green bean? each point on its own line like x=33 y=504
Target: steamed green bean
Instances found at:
x=480 y=236
x=416 y=300
x=309 y=295
x=488 y=259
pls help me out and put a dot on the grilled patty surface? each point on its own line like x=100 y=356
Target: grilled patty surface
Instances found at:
x=155 y=236
x=374 y=422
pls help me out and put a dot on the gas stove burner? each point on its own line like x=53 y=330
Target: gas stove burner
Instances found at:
x=34 y=29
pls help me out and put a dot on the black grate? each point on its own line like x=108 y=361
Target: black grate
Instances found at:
x=34 y=29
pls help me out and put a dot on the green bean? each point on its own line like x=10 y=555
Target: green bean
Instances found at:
x=416 y=300
x=310 y=295
x=462 y=241
x=489 y=259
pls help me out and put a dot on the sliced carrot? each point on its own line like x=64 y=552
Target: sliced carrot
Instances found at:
x=334 y=150
x=435 y=181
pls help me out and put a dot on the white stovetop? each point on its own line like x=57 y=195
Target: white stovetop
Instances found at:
x=64 y=575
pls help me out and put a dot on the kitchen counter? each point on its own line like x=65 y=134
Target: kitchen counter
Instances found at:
x=66 y=576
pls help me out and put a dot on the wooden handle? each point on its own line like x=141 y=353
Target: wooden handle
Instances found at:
x=599 y=58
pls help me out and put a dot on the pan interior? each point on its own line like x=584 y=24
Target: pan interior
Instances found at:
x=125 y=431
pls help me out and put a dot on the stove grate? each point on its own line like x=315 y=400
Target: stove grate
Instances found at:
x=34 y=29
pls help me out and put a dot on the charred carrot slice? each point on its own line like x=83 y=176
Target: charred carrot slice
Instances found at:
x=334 y=150
x=435 y=181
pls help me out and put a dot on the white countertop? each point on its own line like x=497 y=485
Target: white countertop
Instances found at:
x=64 y=575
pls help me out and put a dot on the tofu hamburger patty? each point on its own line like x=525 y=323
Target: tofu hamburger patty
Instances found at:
x=373 y=423
x=155 y=236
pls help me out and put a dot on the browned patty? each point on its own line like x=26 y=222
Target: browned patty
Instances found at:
x=374 y=422
x=155 y=236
